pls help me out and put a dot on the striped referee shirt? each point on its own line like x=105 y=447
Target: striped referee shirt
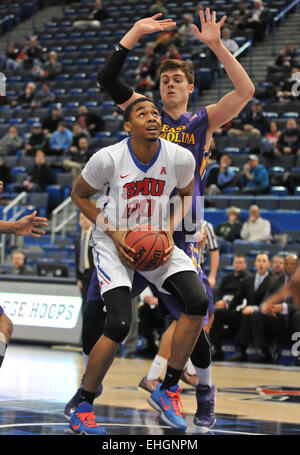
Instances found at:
x=210 y=244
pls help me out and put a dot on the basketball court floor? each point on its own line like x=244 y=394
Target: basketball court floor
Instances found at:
x=36 y=382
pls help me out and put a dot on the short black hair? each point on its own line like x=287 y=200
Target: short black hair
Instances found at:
x=128 y=109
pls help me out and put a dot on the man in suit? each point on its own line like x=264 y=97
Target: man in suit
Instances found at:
x=84 y=263
x=276 y=314
x=251 y=292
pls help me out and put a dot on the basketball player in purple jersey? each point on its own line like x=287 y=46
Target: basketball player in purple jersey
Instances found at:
x=191 y=130
x=28 y=225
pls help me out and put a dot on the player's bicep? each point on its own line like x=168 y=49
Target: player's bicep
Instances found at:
x=188 y=190
x=133 y=97
x=228 y=107
x=82 y=189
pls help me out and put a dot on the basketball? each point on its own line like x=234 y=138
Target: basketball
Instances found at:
x=149 y=244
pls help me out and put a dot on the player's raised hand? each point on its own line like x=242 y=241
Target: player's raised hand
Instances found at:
x=153 y=24
x=30 y=225
x=210 y=29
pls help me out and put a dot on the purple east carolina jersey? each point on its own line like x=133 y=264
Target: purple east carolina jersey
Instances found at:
x=189 y=131
x=1 y=310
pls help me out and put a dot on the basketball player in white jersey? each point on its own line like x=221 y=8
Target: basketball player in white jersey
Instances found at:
x=146 y=169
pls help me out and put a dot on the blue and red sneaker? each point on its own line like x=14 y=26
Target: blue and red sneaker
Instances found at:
x=168 y=403
x=83 y=421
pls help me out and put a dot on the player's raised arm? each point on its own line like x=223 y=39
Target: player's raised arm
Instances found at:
x=109 y=75
x=232 y=103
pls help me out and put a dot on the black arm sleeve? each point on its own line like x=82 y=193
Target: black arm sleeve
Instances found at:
x=109 y=79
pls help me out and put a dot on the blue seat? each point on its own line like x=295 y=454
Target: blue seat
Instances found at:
x=297 y=191
x=231 y=190
x=279 y=191
x=55 y=195
x=276 y=170
x=230 y=150
x=290 y=115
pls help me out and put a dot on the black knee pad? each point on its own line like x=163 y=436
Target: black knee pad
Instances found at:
x=197 y=304
x=119 y=314
x=117 y=331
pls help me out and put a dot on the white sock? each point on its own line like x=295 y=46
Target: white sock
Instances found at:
x=156 y=368
x=85 y=359
x=189 y=367
x=204 y=375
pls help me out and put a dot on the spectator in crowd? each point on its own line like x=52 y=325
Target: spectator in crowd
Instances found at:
x=196 y=19
x=228 y=42
x=269 y=142
x=34 y=55
x=5 y=173
x=238 y=18
x=156 y=8
x=277 y=265
x=11 y=142
x=37 y=140
x=164 y=39
x=225 y=292
x=95 y=17
x=77 y=160
x=289 y=140
x=50 y=124
x=254 y=122
x=253 y=290
x=256 y=228
x=285 y=93
x=258 y=20
x=89 y=121
x=52 y=67
x=19 y=264
x=220 y=177
x=172 y=53
x=9 y=60
x=78 y=133
x=148 y=64
x=278 y=315
x=38 y=177
x=185 y=31
x=229 y=230
x=287 y=57
x=254 y=178
x=26 y=99
x=61 y=139
x=45 y=96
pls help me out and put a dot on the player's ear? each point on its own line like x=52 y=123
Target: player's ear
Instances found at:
x=191 y=88
x=127 y=126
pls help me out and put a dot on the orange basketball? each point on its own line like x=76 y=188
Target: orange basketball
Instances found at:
x=149 y=244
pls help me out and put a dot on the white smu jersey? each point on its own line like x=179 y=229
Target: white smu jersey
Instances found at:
x=133 y=192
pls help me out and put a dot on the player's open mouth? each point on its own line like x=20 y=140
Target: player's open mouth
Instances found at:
x=152 y=129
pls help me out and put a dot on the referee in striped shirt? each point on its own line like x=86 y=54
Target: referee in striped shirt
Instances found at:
x=210 y=247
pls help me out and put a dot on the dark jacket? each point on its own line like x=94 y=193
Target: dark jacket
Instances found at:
x=230 y=284
x=258 y=120
x=42 y=175
x=229 y=231
x=246 y=291
x=289 y=138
